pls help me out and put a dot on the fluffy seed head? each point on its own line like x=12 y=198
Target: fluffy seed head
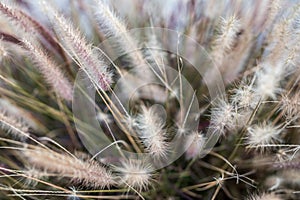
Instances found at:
x=263 y=134
x=112 y=26
x=13 y=125
x=88 y=173
x=52 y=74
x=268 y=81
x=229 y=28
x=136 y=174
x=196 y=143
x=34 y=173
x=151 y=131
x=223 y=116
x=11 y=109
x=290 y=106
x=225 y=40
x=16 y=18
x=244 y=96
x=89 y=59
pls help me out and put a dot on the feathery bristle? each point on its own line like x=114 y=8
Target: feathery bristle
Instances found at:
x=151 y=131
x=88 y=173
x=261 y=135
x=88 y=59
x=52 y=74
x=136 y=174
x=13 y=125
